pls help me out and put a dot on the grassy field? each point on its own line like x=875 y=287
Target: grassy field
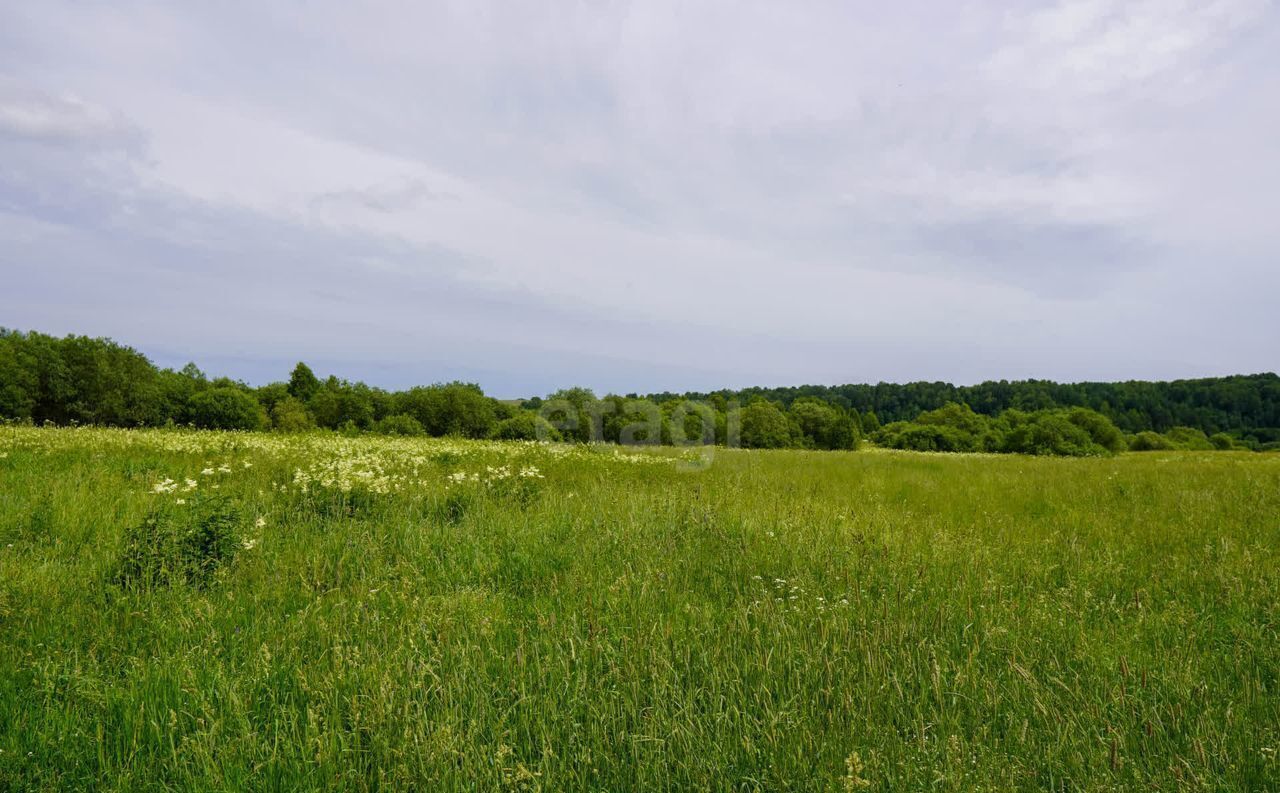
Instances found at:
x=204 y=611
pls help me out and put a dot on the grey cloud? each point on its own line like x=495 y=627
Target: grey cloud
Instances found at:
x=33 y=115
x=653 y=194
x=1067 y=260
x=381 y=198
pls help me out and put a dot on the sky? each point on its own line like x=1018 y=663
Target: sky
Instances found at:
x=648 y=196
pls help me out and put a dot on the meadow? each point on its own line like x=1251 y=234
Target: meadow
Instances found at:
x=185 y=610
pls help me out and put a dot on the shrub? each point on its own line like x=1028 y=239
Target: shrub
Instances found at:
x=573 y=412
x=1051 y=433
x=951 y=428
x=1101 y=431
x=450 y=409
x=824 y=426
x=290 y=415
x=226 y=408
x=1189 y=438
x=180 y=545
x=765 y=426
x=524 y=426
x=339 y=403
x=870 y=422
x=1222 y=441
x=912 y=436
x=956 y=416
x=1149 y=442
x=399 y=424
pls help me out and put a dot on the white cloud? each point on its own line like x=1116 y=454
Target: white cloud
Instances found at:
x=30 y=114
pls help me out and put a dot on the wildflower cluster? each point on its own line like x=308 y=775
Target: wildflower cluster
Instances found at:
x=493 y=475
x=794 y=597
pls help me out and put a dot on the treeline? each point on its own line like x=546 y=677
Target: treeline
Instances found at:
x=82 y=380
x=1245 y=406
x=578 y=415
x=1076 y=432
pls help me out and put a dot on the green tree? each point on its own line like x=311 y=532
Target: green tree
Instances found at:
x=765 y=426
x=450 y=409
x=1101 y=431
x=226 y=408
x=576 y=413
x=524 y=426
x=19 y=380
x=303 y=383
x=291 y=415
x=340 y=404
x=824 y=426
x=399 y=424
x=1148 y=441
x=870 y=422
x=1051 y=432
x=1189 y=438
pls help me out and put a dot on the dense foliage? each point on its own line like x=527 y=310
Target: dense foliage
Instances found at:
x=1075 y=432
x=80 y=380
x=1247 y=407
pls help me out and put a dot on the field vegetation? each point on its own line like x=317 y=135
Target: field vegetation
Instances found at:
x=197 y=610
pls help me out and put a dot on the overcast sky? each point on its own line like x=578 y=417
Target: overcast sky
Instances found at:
x=650 y=195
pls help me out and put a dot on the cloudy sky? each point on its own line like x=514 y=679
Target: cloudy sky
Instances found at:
x=649 y=195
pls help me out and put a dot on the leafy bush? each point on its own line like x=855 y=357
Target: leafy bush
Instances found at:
x=824 y=426
x=290 y=415
x=524 y=426
x=449 y=409
x=399 y=424
x=226 y=408
x=1189 y=438
x=572 y=411
x=765 y=426
x=957 y=428
x=1222 y=441
x=925 y=437
x=950 y=428
x=1101 y=431
x=339 y=403
x=957 y=416
x=180 y=544
x=1051 y=433
x=1149 y=442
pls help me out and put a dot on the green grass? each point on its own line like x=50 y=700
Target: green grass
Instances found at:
x=768 y=621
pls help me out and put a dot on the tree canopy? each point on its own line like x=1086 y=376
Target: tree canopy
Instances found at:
x=82 y=380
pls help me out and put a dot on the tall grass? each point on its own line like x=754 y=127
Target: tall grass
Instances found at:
x=415 y=619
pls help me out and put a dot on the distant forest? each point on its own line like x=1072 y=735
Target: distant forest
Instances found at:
x=83 y=380
x=1247 y=405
